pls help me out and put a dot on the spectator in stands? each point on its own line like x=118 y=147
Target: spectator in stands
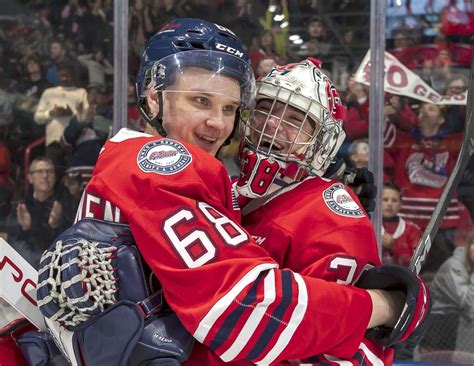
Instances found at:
x=8 y=102
x=317 y=41
x=97 y=66
x=96 y=22
x=436 y=72
x=398 y=113
x=264 y=49
x=357 y=99
x=358 y=156
x=57 y=54
x=87 y=134
x=279 y=31
x=201 y=9
x=404 y=48
x=35 y=82
x=162 y=11
x=56 y=107
x=424 y=160
x=358 y=153
x=42 y=33
x=25 y=97
x=399 y=236
x=74 y=183
x=35 y=222
x=73 y=20
x=139 y=25
x=453 y=293
x=247 y=16
x=264 y=66
x=455 y=114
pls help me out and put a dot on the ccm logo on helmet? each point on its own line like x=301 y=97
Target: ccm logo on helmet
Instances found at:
x=233 y=51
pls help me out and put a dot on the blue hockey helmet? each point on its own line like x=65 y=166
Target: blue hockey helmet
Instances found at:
x=194 y=43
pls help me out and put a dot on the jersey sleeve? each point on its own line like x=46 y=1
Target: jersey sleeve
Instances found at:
x=332 y=246
x=226 y=289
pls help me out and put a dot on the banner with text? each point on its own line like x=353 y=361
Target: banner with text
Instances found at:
x=402 y=81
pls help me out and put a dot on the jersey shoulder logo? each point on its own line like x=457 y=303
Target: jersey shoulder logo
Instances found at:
x=164 y=156
x=340 y=201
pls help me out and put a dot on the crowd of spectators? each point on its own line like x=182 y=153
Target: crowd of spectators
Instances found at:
x=56 y=95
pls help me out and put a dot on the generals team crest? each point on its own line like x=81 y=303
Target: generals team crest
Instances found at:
x=340 y=201
x=163 y=156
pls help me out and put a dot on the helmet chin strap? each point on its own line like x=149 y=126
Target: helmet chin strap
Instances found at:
x=157 y=121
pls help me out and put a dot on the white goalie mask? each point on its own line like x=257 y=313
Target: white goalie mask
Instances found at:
x=296 y=130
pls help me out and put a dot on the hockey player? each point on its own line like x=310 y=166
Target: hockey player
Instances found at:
x=311 y=225
x=227 y=291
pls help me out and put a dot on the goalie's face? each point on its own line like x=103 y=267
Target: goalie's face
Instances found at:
x=200 y=108
x=280 y=128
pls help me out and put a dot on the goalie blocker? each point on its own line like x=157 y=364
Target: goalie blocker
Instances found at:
x=98 y=307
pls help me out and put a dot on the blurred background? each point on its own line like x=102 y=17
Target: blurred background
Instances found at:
x=56 y=111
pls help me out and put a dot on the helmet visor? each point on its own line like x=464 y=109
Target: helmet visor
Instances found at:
x=212 y=72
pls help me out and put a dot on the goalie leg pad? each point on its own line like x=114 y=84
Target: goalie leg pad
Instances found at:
x=108 y=339
x=162 y=362
x=105 y=340
x=38 y=349
x=164 y=338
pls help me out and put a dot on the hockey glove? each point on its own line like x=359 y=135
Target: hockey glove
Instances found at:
x=361 y=181
x=412 y=322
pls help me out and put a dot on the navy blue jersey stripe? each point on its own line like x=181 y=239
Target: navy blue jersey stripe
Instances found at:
x=360 y=357
x=230 y=322
x=273 y=324
x=313 y=359
x=317 y=360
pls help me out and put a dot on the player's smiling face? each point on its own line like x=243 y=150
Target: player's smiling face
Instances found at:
x=200 y=108
x=282 y=125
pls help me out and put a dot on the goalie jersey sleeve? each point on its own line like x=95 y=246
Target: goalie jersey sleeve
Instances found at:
x=317 y=228
x=224 y=287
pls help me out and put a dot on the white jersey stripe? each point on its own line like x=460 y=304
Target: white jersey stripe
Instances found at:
x=370 y=355
x=223 y=304
x=338 y=361
x=125 y=134
x=254 y=319
x=426 y=208
x=295 y=320
x=420 y=199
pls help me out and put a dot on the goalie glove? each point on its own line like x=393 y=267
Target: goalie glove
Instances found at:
x=94 y=320
x=412 y=322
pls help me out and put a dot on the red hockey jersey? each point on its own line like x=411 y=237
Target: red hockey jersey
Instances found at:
x=423 y=168
x=405 y=236
x=227 y=291
x=317 y=228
